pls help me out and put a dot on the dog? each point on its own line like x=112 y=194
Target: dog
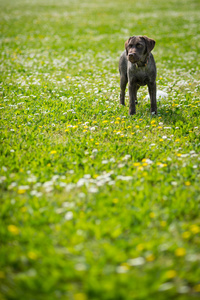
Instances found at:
x=137 y=68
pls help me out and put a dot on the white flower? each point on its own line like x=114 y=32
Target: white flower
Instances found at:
x=69 y=216
x=124 y=178
x=136 y=261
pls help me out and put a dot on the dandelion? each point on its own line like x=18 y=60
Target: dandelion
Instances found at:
x=180 y=252
x=21 y=191
x=150 y=257
x=152 y=215
x=163 y=223
x=136 y=164
x=187 y=183
x=13 y=229
x=115 y=200
x=186 y=235
x=171 y=274
x=194 y=229
x=53 y=152
x=197 y=288
x=140 y=247
x=32 y=255
x=80 y=296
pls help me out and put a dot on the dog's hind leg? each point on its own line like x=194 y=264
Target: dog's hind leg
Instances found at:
x=123 y=83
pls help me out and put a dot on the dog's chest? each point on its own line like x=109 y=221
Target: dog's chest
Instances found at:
x=138 y=75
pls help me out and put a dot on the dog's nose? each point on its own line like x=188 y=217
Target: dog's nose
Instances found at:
x=132 y=55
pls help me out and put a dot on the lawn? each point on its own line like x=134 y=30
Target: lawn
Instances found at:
x=96 y=204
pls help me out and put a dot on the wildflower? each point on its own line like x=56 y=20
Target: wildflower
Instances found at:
x=69 y=216
x=180 y=252
x=122 y=269
x=140 y=247
x=53 y=152
x=115 y=200
x=163 y=223
x=187 y=183
x=32 y=255
x=136 y=164
x=197 y=288
x=152 y=215
x=80 y=296
x=186 y=235
x=150 y=257
x=136 y=261
x=13 y=229
x=171 y=274
x=21 y=191
x=195 y=229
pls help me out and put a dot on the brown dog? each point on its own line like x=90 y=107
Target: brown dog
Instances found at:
x=137 y=68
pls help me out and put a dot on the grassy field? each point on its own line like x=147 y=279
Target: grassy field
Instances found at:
x=96 y=204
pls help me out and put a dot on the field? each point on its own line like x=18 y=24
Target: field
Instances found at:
x=96 y=204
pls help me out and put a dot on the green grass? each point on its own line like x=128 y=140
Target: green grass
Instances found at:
x=96 y=204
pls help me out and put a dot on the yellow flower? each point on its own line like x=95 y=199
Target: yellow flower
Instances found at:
x=161 y=140
x=13 y=229
x=186 y=235
x=137 y=126
x=21 y=191
x=180 y=252
x=170 y=274
x=53 y=152
x=115 y=200
x=197 y=288
x=187 y=183
x=97 y=144
x=152 y=215
x=140 y=247
x=195 y=229
x=136 y=164
x=145 y=164
x=116 y=122
x=163 y=223
x=179 y=154
x=150 y=257
x=105 y=121
x=80 y=296
x=32 y=255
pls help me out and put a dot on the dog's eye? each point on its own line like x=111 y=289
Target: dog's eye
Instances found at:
x=139 y=46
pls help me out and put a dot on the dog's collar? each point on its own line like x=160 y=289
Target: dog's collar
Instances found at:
x=142 y=64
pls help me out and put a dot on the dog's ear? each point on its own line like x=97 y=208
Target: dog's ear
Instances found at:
x=126 y=44
x=149 y=43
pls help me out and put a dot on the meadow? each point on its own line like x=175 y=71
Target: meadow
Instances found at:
x=96 y=204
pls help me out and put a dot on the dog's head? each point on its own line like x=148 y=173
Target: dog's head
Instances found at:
x=138 y=48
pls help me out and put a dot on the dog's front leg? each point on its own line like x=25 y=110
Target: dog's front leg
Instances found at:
x=132 y=87
x=152 y=94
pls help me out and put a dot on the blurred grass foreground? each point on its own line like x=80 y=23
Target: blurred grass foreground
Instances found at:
x=95 y=204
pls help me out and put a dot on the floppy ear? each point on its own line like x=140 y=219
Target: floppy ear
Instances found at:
x=150 y=43
x=126 y=45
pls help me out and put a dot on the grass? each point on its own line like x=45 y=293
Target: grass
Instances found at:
x=96 y=204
